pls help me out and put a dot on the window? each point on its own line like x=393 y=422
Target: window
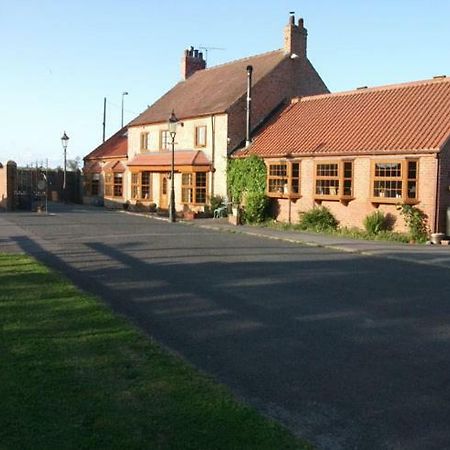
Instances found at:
x=200 y=136
x=194 y=188
x=141 y=186
x=283 y=179
x=113 y=184
x=118 y=177
x=91 y=184
x=145 y=142
x=395 y=181
x=164 y=140
x=108 y=184
x=334 y=180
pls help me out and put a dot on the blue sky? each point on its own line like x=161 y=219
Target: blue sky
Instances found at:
x=60 y=59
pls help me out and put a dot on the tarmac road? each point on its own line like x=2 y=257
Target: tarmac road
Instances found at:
x=348 y=351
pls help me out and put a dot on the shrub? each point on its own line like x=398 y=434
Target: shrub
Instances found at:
x=255 y=207
x=318 y=219
x=416 y=221
x=376 y=222
x=246 y=175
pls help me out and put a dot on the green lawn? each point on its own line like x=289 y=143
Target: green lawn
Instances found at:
x=75 y=376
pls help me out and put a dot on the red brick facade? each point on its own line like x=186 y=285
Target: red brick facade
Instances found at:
x=353 y=212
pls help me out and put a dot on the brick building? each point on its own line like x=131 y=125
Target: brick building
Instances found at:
x=211 y=104
x=357 y=151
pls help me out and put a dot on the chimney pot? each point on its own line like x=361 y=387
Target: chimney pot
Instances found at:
x=295 y=38
x=292 y=18
x=191 y=62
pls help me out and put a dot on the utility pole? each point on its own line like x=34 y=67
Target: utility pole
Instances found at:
x=104 y=118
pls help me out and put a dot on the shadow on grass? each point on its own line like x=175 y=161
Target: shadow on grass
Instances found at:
x=75 y=376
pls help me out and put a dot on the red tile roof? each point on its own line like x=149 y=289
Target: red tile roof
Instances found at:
x=114 y=147
x=92 y=167
x=411 y=117
x=164 y=158
x=114 y=166
x=210 y=91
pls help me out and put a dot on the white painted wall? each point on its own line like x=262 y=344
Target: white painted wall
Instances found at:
x=216 y=128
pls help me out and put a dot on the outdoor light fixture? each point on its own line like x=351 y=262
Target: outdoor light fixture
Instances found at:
x=64 y=142
x=123 y=95
x=172 y=124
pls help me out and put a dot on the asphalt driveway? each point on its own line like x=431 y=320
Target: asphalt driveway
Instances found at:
x=348 y=351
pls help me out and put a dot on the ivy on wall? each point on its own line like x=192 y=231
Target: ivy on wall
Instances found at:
x=246 y=176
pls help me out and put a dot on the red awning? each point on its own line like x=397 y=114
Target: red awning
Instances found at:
x=185 y=160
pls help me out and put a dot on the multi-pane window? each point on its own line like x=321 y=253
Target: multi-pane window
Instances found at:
x=91 y=184
x=164 y=140
x=113 y=184
x=395 y=180
x=334 y=179
x=145 y=144
x=200 y=136
x=194 y=188
x=118 y=185
x=283 y=178
x=109 y=184
x=140 y=185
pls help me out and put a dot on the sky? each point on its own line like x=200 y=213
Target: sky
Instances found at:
x=59 y=60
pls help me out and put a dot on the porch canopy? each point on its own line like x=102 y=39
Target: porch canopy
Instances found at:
x=92 y=167
x=185 y=161
x=114 y=166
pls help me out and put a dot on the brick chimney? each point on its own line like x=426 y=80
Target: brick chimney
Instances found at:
x=295 y=37
x=191 y=61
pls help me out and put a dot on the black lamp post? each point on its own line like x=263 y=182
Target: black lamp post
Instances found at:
x=64 y=142
x=172 y=131
x=123 y=94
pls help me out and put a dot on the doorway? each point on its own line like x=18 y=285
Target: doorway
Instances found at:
x=163 y=191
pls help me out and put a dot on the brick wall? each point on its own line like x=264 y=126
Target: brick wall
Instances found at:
x=444 y=191
x=3 y=194
x=291 y=78
x=352 y=214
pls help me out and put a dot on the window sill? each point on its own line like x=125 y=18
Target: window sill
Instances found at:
x=393 y=200
x=283 y=195
x=333 y=198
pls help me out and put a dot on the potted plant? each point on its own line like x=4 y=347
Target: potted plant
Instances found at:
x=188 y=213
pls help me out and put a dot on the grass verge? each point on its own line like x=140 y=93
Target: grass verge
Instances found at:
x=75 y=376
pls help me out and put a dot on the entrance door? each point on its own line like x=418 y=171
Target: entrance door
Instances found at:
x=164 y=191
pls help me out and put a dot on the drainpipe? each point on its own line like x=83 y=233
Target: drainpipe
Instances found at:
x=213 y=151
x=438 y=194
x=249 y=104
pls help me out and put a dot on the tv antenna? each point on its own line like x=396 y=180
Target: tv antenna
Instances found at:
x=206 y=49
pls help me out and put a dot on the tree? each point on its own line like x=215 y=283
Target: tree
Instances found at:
x=74 y=164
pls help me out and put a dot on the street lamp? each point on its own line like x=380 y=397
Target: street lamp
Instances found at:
x=123 y=94
x=64 y=142
x=172 y=124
